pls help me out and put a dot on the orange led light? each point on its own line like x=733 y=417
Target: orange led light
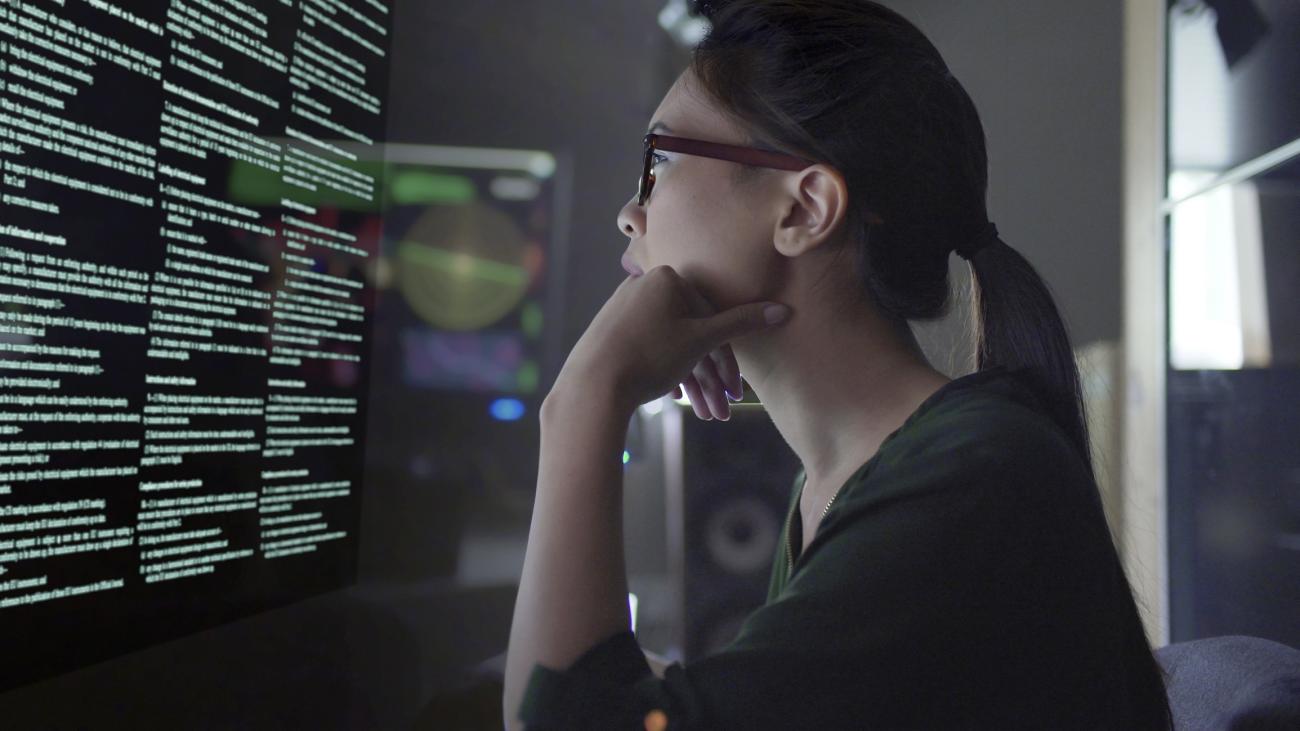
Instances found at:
x=656 y=720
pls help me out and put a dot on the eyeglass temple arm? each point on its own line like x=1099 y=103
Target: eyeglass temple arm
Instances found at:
x=733 y=153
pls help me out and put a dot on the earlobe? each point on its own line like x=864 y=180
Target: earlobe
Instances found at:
x=815 y=203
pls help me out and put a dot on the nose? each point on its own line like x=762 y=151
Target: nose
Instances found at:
x=631 y=219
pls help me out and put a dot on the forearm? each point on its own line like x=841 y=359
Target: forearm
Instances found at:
x=573 y=592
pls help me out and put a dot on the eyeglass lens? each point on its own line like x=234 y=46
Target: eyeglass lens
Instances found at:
x=647 y=180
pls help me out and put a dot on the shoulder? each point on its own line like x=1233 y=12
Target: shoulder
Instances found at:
x=981 y=473
x=992 y=427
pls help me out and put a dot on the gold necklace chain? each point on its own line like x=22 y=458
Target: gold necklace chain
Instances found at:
x=828 y=505
x=789 y=552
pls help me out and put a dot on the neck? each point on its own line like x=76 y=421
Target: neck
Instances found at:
x=836 y=380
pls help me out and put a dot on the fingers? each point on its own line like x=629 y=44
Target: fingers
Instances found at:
x=706 y=374
x=706 y=385
x=714 y=375
x=696 y=397
x=728 y=370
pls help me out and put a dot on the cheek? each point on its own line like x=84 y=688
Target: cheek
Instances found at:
x=713 y=240
x=731 y=258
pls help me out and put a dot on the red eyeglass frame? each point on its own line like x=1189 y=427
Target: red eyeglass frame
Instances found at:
x=715 y=150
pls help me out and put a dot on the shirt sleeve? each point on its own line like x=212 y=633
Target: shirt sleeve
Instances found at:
x=946 y=595
x=603 y=689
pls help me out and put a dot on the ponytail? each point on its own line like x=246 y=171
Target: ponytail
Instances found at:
x=1016 y=325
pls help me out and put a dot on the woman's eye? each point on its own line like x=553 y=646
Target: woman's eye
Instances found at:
x=658 y=159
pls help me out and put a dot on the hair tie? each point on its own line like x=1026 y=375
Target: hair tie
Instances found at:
x=986 y=236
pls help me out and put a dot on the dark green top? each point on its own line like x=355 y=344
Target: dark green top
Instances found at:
x=964 y=577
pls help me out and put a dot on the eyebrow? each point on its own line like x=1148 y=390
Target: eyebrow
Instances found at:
x=659 y=125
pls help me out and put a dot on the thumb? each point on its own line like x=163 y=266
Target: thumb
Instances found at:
x=744 y=319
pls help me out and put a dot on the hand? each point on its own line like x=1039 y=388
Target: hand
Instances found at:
x=655 y=332
x=711 y=382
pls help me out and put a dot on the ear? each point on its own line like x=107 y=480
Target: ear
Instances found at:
x=814 y=202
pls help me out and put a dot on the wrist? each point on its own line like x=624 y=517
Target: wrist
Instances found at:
x=585 y=393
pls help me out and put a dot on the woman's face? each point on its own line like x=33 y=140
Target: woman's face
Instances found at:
x=715 y=234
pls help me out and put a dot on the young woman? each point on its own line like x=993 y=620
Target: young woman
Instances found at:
x=946 y=562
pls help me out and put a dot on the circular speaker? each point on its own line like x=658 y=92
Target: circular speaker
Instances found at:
x=741 y=535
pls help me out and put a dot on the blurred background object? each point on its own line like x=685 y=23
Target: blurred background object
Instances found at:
x=1232 y=206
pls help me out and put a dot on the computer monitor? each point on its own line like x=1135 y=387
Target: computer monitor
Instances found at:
x=189 y=225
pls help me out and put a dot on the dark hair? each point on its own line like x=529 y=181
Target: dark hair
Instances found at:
x=855 y=85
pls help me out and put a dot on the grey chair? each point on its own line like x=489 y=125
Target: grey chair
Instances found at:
x=1232 y=683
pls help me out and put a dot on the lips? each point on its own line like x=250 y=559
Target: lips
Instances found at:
x=630 y=266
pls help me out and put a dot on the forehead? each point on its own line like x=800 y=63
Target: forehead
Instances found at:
x=689 y=112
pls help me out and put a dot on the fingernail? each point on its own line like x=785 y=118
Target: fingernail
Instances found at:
x=730 y=395
x=775 y=313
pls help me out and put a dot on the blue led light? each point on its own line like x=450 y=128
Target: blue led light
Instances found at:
x=507 y=409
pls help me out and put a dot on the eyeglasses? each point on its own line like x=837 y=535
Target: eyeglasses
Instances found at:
x=715 y=150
